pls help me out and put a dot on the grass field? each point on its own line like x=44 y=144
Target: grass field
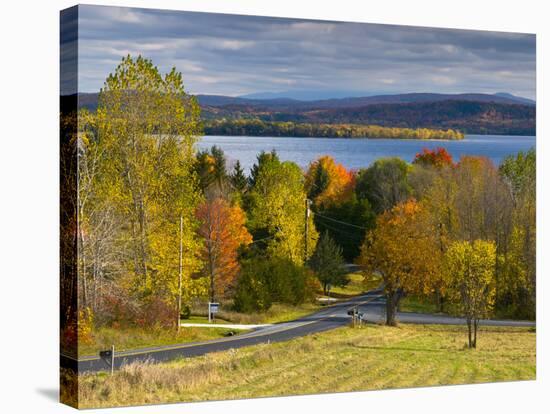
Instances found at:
x=371 y=358
x=279 y=312
x=132 y=338
x=416 y=304
x=355 y=286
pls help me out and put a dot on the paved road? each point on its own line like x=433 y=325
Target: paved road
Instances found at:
x=371 y=304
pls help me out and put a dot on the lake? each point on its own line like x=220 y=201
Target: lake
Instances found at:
x=358 y=153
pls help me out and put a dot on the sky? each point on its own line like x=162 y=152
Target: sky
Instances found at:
x=237 y=55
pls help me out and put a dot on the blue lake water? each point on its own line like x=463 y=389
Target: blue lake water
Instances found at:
x=359 y=153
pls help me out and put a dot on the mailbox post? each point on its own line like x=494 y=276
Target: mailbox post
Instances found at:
x=109 y=357
x=213 y=308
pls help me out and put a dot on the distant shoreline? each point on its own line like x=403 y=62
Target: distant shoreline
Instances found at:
x=343 y=138
x=259 y=127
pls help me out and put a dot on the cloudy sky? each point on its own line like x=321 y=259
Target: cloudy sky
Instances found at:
x=236 y=55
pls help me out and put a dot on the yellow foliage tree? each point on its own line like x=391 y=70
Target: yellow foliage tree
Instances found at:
x=145 y=129
x=278 y=206
x=470 y=271
x=403 y=250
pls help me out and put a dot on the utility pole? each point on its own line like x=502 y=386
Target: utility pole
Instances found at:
x=180 y=274
x=306 y=228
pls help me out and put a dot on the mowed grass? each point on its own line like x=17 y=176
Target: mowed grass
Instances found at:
x=417 y=304
x=279 y=312
x=355 y=286
x=371 y=358
x=133 y=338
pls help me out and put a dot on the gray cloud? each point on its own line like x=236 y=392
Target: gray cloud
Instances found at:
x=233 y=55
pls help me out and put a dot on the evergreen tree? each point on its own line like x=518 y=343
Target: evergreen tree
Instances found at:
x=238 y=179
x=263 y=158
x=328 y=263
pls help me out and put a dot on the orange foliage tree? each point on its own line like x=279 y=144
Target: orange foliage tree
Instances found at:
x=403 y=250
x=223 y=229
x=437 y=158
x=328 y=183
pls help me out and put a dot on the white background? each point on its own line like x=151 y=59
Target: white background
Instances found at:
x=29 y=204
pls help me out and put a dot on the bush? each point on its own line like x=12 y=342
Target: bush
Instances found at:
x=156 y=312
x=185 y=312
x=252 y=293
x=264 y=281
x=121 y=308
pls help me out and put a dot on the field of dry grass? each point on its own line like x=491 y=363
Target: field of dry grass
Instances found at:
x=133 y=338
x=346 y=359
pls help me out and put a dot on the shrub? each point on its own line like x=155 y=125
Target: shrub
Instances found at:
x=120 y=308
x=156 y=312
x=252 y=293
x=185 y=312
x=266 y=280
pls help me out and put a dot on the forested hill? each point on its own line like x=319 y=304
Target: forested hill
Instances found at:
x=259 y=128
x=467 y=116
x=469 y=113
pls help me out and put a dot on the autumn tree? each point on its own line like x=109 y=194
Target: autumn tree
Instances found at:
x=328 y=264
x=437 y=158
x=223 y=230
x=146 y=128
x=384 y=184
x=68 y=227
x=470 y=269
x=517 y=283
x=277 y=209
x=403 y=250
x=99 y=223
x=439 y=198
x=328 y=183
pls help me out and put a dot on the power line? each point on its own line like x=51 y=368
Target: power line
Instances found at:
x=255 y=241
x=340 y=222
x=346 y=234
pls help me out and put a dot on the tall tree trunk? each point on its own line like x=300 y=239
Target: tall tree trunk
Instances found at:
x=392 y=301
x=469 y=323
x=475 y=333
x=439 y=300
x=180 y=276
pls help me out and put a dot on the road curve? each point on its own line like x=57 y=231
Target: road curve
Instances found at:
x=371 y=304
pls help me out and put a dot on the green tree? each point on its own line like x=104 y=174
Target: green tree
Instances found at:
x=239 y=182
x=470 y=269
x=347 y=224
x=264 y=280
x=262 y=158
x=210 y=166
x=328 y=264
x=384 y=184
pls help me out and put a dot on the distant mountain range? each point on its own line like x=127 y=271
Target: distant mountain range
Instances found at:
x=474 y=113
x=352 y=102
x=307 y=95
